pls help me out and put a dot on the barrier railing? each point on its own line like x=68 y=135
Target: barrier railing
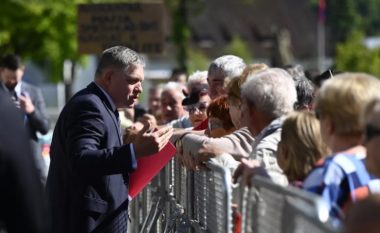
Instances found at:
x=270 y=208
x=185 y=201
x=179 y=200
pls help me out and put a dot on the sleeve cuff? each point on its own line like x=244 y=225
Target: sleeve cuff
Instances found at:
x=133 y=157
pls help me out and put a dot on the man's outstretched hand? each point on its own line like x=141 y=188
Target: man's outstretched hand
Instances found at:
x=149 y=141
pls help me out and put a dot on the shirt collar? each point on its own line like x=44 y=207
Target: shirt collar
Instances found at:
x=18 y=88
x=272 y=127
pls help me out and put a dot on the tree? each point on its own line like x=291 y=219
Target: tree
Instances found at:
x=44 y=31
x=239 y=48
x=346 y=16
x=353 y=55
x=197 y=60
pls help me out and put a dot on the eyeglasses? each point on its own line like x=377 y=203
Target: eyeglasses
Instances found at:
x=202 y=107
x=371 y=131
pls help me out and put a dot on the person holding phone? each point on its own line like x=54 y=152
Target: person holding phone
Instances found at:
x=28 y=98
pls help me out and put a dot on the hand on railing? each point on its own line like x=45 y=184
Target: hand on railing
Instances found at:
x=184 y=159
x=247 y=169
x=205 y=154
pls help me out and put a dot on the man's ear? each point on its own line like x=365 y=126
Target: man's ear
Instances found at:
x=107 y=77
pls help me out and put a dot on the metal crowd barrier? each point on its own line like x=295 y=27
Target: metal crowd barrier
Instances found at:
x=213 y=199
x=185 y=201
x=178 y=200
x=270 y=208
x=303 y=221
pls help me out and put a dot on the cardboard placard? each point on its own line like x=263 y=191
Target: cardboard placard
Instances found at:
x=139 y=26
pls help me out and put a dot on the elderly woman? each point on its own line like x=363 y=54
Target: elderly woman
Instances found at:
x=196 y=104
x=342 y=177
x=237 y=144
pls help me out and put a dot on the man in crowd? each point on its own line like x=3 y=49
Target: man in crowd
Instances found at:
x=30 y=101
x=237 y=143
x=267 y=97
x=172 y=110
x=22 y=201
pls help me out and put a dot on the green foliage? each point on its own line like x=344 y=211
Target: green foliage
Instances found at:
x=343 y=18
x=180 y=30
x=197 y=61
x=239 y=48
x=352 y=55
x=44 y=31
x=346 y=16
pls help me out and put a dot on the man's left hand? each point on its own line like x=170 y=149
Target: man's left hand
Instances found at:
x=26 y=104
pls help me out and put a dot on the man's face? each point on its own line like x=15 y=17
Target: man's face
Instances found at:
x=171 y=105
x=216 y=84
x=372 y=143
x=11 y=77
x=125 y=86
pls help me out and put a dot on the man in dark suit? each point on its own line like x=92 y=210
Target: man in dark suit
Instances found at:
x=22 y=207
x=89 y=171
x=30 y=101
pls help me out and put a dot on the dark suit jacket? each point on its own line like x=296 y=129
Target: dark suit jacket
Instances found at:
x=22 y=206
x=38 y=121
x=88 y=176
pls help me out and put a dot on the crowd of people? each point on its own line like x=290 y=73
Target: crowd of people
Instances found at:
x=319 y=134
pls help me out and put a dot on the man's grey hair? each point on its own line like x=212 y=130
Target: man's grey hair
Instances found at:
x=230 y=65
x=179 y=88
x=119 y=57
x=271 y=91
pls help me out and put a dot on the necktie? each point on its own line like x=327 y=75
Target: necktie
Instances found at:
x=117 y=116
x=118 y=122
x=14 y=98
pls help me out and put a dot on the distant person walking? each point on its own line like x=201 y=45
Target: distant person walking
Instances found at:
x=30 y=101
x=22 y=207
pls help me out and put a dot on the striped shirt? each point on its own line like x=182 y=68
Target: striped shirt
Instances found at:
x=342 y=179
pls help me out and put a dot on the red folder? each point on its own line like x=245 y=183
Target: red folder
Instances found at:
x=147 y=168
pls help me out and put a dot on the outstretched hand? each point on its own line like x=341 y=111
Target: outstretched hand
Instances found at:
x=149 y=141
